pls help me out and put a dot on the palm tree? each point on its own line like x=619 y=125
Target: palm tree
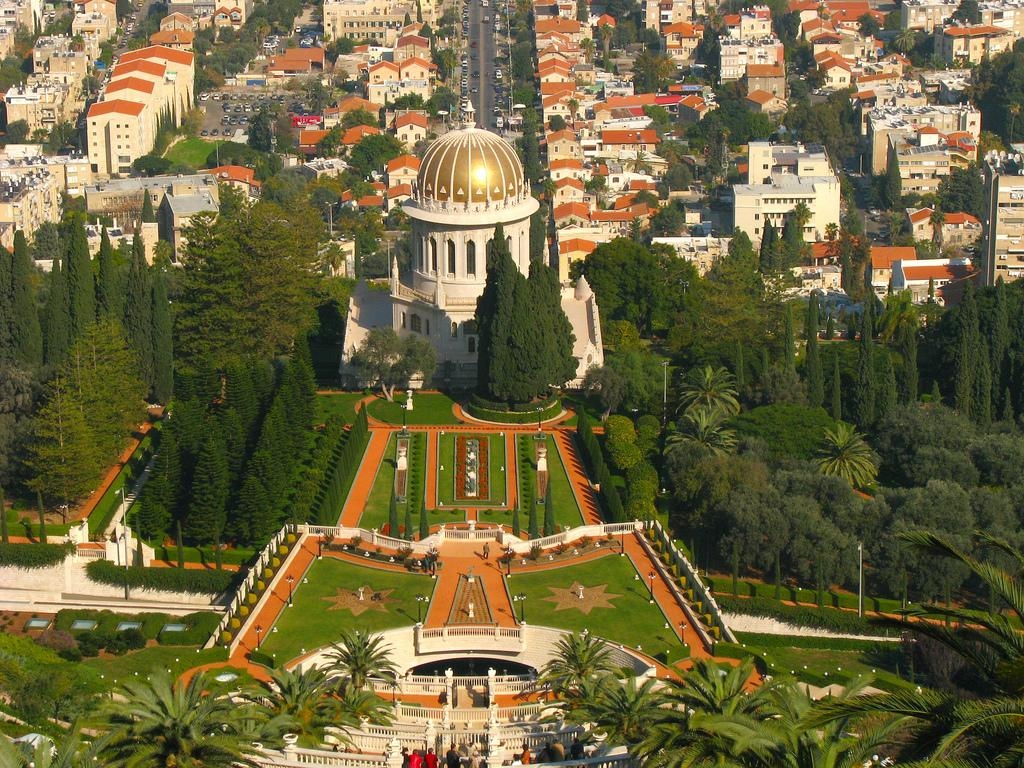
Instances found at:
x=708 y=387
x=899 y=316
x=162 y=724
x=905 y=40
x=302 y=699
x=607 y=31
x=705 y=428
x=578 y=659
x=354 y=706
x=70 y=752
x=574 y=107
x=937 y=218
x=845 y=454
x=948 y=727
x=587 y=46
x=358 y=656
x=620 y=712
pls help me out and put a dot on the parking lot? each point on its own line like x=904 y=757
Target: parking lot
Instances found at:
x=227 y=112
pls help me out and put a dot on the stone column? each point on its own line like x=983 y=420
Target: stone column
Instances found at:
x=394 y=753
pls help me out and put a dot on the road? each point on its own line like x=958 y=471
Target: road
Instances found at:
x=482 y=51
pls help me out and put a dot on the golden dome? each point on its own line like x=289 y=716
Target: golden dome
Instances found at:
x=468 y=166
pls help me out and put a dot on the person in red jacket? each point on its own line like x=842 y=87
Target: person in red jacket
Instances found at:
x=415 y=759
x=431 y=759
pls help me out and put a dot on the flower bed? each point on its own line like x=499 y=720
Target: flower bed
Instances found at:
x=472 y=471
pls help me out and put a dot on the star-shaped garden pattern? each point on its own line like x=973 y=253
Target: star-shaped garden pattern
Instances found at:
x=581 y=598
x=348 y=599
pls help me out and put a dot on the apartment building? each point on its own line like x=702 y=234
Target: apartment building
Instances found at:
x=926 y=158
x=204 y=12
x=949 y=120
x=766 y=160
x=680 y=40
x=95 y=22
x=29 y=199
x=146 y=84
x=736 y=55
x=1003 y=239
x=388 y=81
x=43 y=103
x=749 y=24
x=701 y=251
x=53 y=56
x=946 y=86
x=17 y=13
x=380 y=20
x=926 y=15
x=774 y=201
x=970 y=44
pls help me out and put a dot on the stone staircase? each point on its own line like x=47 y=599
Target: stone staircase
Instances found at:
x=470 y=605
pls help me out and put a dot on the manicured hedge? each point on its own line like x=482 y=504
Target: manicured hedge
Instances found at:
x=265 y=659
x=107 y=621
x=479 y=402
x=829 y=619
x=34 y=555
x=200 y=626
x=345 y=461
x=511 y=416
x=206 y=582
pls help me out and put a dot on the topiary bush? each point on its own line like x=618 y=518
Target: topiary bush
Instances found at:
x=182 y=580
x=34 y=555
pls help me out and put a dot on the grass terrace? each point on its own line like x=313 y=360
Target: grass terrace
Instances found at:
x=341 y=403
x=375 y=514
x=428 y=408
x=145 y=662
x=617 y=603
x=191 y=152
x=447 y=474
x=325 y=603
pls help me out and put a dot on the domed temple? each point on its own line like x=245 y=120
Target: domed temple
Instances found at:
x=469 y=181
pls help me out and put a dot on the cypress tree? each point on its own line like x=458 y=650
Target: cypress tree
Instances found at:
x=812 y=360
x=393 y=517
x=4 y=538
x=27 y=337
x=864 y=410
x=769 y=244
x=999 y=342
x=58 y=318
x=549 y=513
x=424 y=523
x=741 y=369
x=81 y=285
x=497 y=323
x=887 y=397
x=963 y=383
x=837 y=389
x=516 y=525
x=533 y=529
x=539 y=234
x=148 y=214
x=138 y=320
x=106 y=281
x=936 y=392
x=1007 y=414
x=407 y=533
x=551 y=331
x=207 y=512
x=42 y=517
x=910 y=372
x=982 y=395
x=966 y=362
x=180 y=542
x=830 y=328
x=788 y=340
x=163 y=343
x=7 y=350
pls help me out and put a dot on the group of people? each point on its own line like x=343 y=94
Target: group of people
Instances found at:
x=429 y=562
x=553 y=752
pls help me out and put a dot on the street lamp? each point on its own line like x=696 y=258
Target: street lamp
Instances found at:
x=291 y=588
x=682 y=632
x=259 y=636
x=622 y=542
x=420 y=600
x=860 y=579
x=124 y=540
x=521 y=599
x=650 y=584
x=664 y=393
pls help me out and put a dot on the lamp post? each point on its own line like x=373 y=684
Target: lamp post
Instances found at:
x=860 y=578
x=320 y=547
x=291 y=588
x=622 y=542
x=420 y=600
x=682 y=632
x=664 y=393
x=508 y=561
x=521 y=599
x=124 y=540
x=650 y=585
x=259 y=636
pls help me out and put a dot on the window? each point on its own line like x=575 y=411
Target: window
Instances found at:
x=415 y=324
x=433 y=255
x=471 y=258
x=403 y=319
x=455 y=330
x=471 y=343
x=428 y=328
x=451 y=257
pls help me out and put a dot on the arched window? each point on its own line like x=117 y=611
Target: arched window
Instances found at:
x=415 y=324
x=455 y=330
x=433 y=255
x=471 y=258
x=508 y=243
x=451 y=257
x=472 y=345
x=428 y=327
x=403 y=319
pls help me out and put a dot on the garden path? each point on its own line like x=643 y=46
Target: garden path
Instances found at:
x=581 y=487
x=358 y=494
x=457 y=558
x=430 y=468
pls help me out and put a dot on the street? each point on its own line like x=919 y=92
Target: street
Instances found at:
x=482 y=50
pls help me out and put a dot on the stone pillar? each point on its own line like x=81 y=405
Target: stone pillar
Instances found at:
x=394 y=753
x=491 y=673
x=290 y=740
x=495 y=753
x=430 y=734
x=449 y=686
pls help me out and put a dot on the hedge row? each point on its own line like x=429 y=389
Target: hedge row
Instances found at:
x=199 y=625
x=477 y=401
x=311 y=484
x=34 y=555
x=512 y=416
x=829 y=619
x=339 y=476
x=206 y=582
x=611 y=503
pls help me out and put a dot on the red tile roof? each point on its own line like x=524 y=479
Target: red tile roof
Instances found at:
x=884 y=256
x=116 y=107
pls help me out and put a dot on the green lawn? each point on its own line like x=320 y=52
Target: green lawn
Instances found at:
x=343 y=404
x=315 y=621
x=148 y=660
x=495 y=472
x=192 y=152
x=567 y=511
x=375 y=515
x=632 y=620
x=722 y=584
x=431 y=408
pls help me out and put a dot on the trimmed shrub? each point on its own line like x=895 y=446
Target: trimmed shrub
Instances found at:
x=163 y=579
x=34 y=555
x=259 y=657
x=226 y=637
x=844 y=622
x=199 y=627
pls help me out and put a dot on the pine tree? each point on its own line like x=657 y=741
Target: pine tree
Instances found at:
x=62 y=460
x=812 y=360
x=148 y=215
x=58 y=318
x=138 y=320
x=106 y=281
x=240 y=395
x=207 y=511
x=27 y=338
x=7 y=351
x=837 y=389
x=81 y=285
x=256 y=517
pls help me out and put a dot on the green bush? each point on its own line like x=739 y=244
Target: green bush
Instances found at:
x=34 y=555
x=164 y=579
x=199 y=627
x=259 y=657
x=513 y=416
